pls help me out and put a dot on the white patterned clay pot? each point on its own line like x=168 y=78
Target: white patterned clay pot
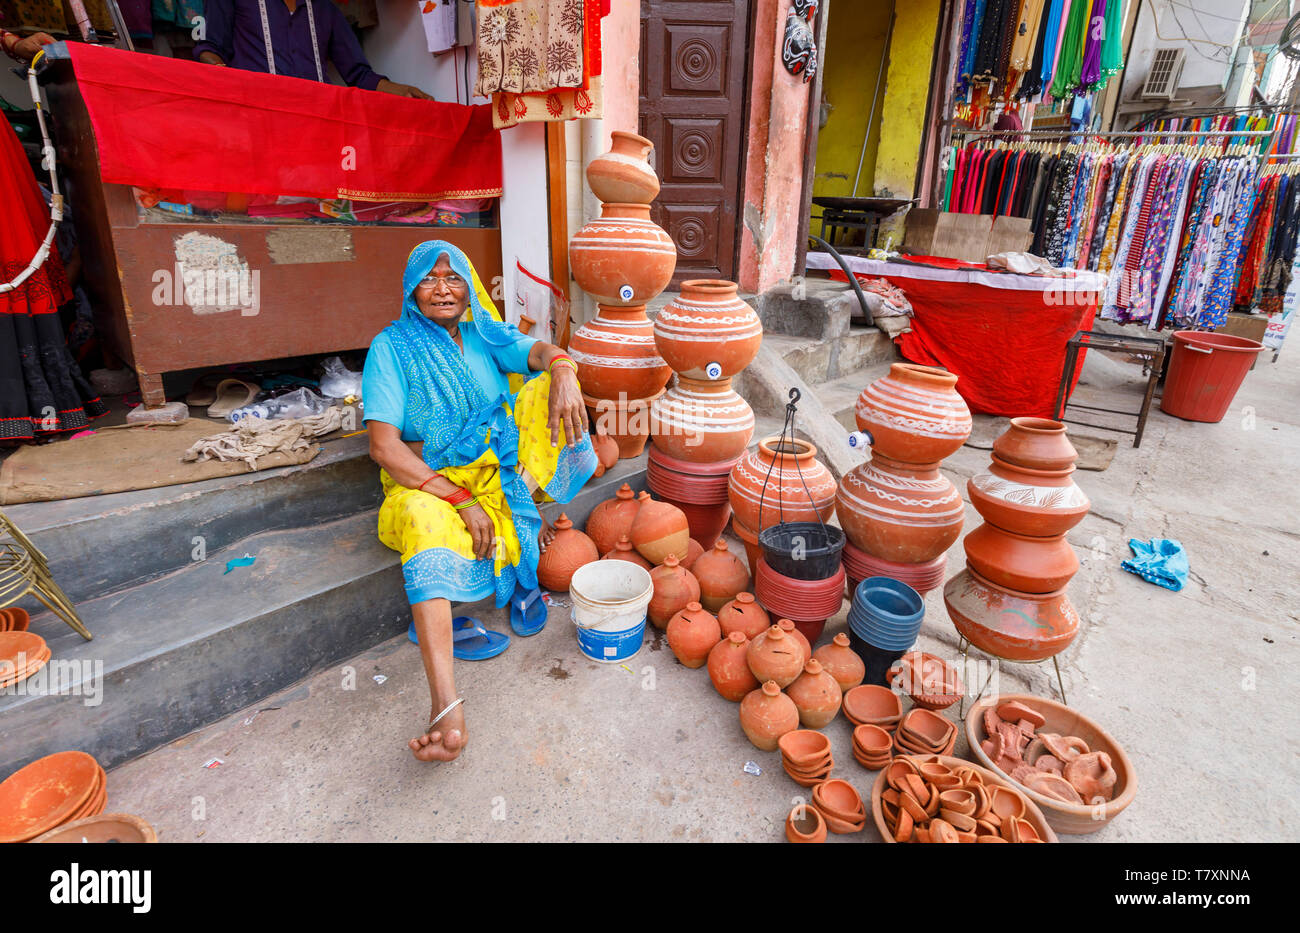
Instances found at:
x=623 y=257
x=615 y=352
x=913 y=414
x=701 y=422
x=707 y=331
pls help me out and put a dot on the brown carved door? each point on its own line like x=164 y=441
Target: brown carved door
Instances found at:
x=694 y=63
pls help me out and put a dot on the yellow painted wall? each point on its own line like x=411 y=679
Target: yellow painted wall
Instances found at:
x=855 y=42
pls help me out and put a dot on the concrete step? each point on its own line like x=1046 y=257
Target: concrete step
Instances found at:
x=818 y=361
x=815 y=308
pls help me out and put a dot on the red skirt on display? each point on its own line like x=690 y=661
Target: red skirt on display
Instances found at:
x=42 y=390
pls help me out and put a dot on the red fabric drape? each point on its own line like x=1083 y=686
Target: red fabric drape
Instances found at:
x=168 y=123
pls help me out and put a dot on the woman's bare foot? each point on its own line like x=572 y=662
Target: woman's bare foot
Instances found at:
x=547 y=535
x=446 y=741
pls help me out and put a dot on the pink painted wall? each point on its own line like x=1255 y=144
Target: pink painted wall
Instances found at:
x=620 y=38
x=778 y=107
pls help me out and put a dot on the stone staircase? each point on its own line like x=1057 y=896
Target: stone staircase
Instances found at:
x=180 y=641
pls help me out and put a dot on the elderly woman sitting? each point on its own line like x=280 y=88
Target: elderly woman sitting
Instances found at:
x=465 y=454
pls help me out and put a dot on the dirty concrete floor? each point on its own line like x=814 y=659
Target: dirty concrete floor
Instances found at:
x=1199 y=686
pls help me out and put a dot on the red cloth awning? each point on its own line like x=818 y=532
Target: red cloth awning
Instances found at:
x=169 y=123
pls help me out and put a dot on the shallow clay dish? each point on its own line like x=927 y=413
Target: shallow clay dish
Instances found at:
x=37 y=798
x=1068 y=818
x=803 y=748
x=874 y=704
x=1033 y=815
x=110 y=827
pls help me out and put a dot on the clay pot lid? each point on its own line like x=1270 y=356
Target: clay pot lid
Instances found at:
x=872 y=703
x=770 y=688
x=563 y=523
x=45 y=793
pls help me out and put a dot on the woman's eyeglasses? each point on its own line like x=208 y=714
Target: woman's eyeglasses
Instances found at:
x=450 y=278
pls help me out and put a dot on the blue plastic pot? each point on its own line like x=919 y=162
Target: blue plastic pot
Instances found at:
x=886 y=614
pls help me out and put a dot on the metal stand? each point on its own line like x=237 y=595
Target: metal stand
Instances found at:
x=1152 y=351
x=965 y=657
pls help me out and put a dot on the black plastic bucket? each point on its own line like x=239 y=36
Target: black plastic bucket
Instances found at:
x=878 y=661
x=802 y=550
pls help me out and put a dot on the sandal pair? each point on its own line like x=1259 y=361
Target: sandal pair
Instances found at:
x=471 y=640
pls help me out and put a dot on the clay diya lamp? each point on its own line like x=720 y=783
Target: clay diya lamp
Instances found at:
x=804 y=748
x=930 y=730
x=872 y=740
x=840 y=806
x=1092 y=775
x=897 y=772
x=1053 y=785
x=958 y=821
x=873 y=704
x=958 y=800
x=805 y=824
x=46 y=793
x=1015 y=711
x=810 y=779
x=1006 y=804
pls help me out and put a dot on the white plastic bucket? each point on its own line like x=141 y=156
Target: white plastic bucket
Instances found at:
x=610 y=598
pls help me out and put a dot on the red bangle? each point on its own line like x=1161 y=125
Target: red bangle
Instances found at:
x=457 y=497
x=420 y=488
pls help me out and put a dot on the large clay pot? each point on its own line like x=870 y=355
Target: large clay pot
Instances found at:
x=729 y=667
x=569 y=550
x=660 y=529
x=624 y=551
x=700 y=421
x=908 y=513
x=816 y=695
x=1020 y=562
x=706 y=522
x=1009 y=624
x=778 y=479
x=722 y=576
x=914 y=414
x=692 y=633
x=624 y=173
x=749 y=538
x=776 y=656
x=1037 y=443
x=1027 y=501
x=841 y=662
x=612 y=519
x=616 y=355
x=622 y=257
x=766 y=714
x=675 y=588
x=627 y=421
x=707 y=331
x=744 y=614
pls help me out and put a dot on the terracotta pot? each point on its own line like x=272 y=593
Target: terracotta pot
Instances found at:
x=1019 y=562
x=766 y=714
x=707 y=331
x=606 y=450
x=704 y=421
x=773 y=655
x=1037 y=443
x=623 y=257
x=908 y=513
x=729 y=668
x=692 y=633
x=840 y=661
x=616 y=355
x=658 y=530
x=914 y=414
x=1009 y=624
x=922 y=577
x=721 y=576
x=797 y=488
x=624 y=551
x=569 y=550
x=744 y=614
x=704 y=522
x=805 y=825
x=791 y=628
x=810 y=629
x=1028 y=502
x=624 y=173
x=612 y=519
x=749 y=538
x=693 y=550
x=626 y=421
x=675 y=588
x=816 y=694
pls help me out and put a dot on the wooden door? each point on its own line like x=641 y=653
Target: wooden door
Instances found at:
x=694 y=63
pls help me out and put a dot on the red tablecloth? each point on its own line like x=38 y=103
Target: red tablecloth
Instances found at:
x=1002 y=334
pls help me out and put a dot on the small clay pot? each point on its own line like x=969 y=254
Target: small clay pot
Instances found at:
x=624 y=173
x=841 y=662
x=744 y=614
x=721 y=576
x=675 y=588
x=693 y=551
x=805 y=824
x=569 y=550
x=729 y=668
x=816 y=694
x=692 y=633
x=766 y=715
x=1037 y=443
x=792 y=629
x=658 y=530
x=623 y=550
x=606 y=452
x=612 y=519
x=775 y=656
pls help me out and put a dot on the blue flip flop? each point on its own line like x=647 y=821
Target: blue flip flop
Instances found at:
x=470 y=640
x=527 y=612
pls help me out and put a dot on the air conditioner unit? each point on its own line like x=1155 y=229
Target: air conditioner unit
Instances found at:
x=1166 y=70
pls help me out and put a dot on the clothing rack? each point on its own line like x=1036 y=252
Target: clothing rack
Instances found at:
x=1012 y=135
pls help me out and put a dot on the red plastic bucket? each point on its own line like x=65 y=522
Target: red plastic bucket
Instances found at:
x=1205 y=372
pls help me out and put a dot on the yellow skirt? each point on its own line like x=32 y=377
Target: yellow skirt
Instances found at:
x=437 y=550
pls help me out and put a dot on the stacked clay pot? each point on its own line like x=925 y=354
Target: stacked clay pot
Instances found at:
x=1010 y=600
x=700 y=426
x=778 y=481
x=622 y=259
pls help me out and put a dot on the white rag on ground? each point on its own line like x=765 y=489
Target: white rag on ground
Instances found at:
x=251 y=438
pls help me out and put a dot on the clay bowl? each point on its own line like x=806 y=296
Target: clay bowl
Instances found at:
x=905 y=745
x=872 y=740
x=873 y=704
x=808 y=827
x=872 y=763
x=1033 y=815
x=46 y=793
x=1068 y=818
x=839 y=799
x=804 y=749
x=927 y=728
x=810 y=779
x=14 y=619
x=109 y=827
